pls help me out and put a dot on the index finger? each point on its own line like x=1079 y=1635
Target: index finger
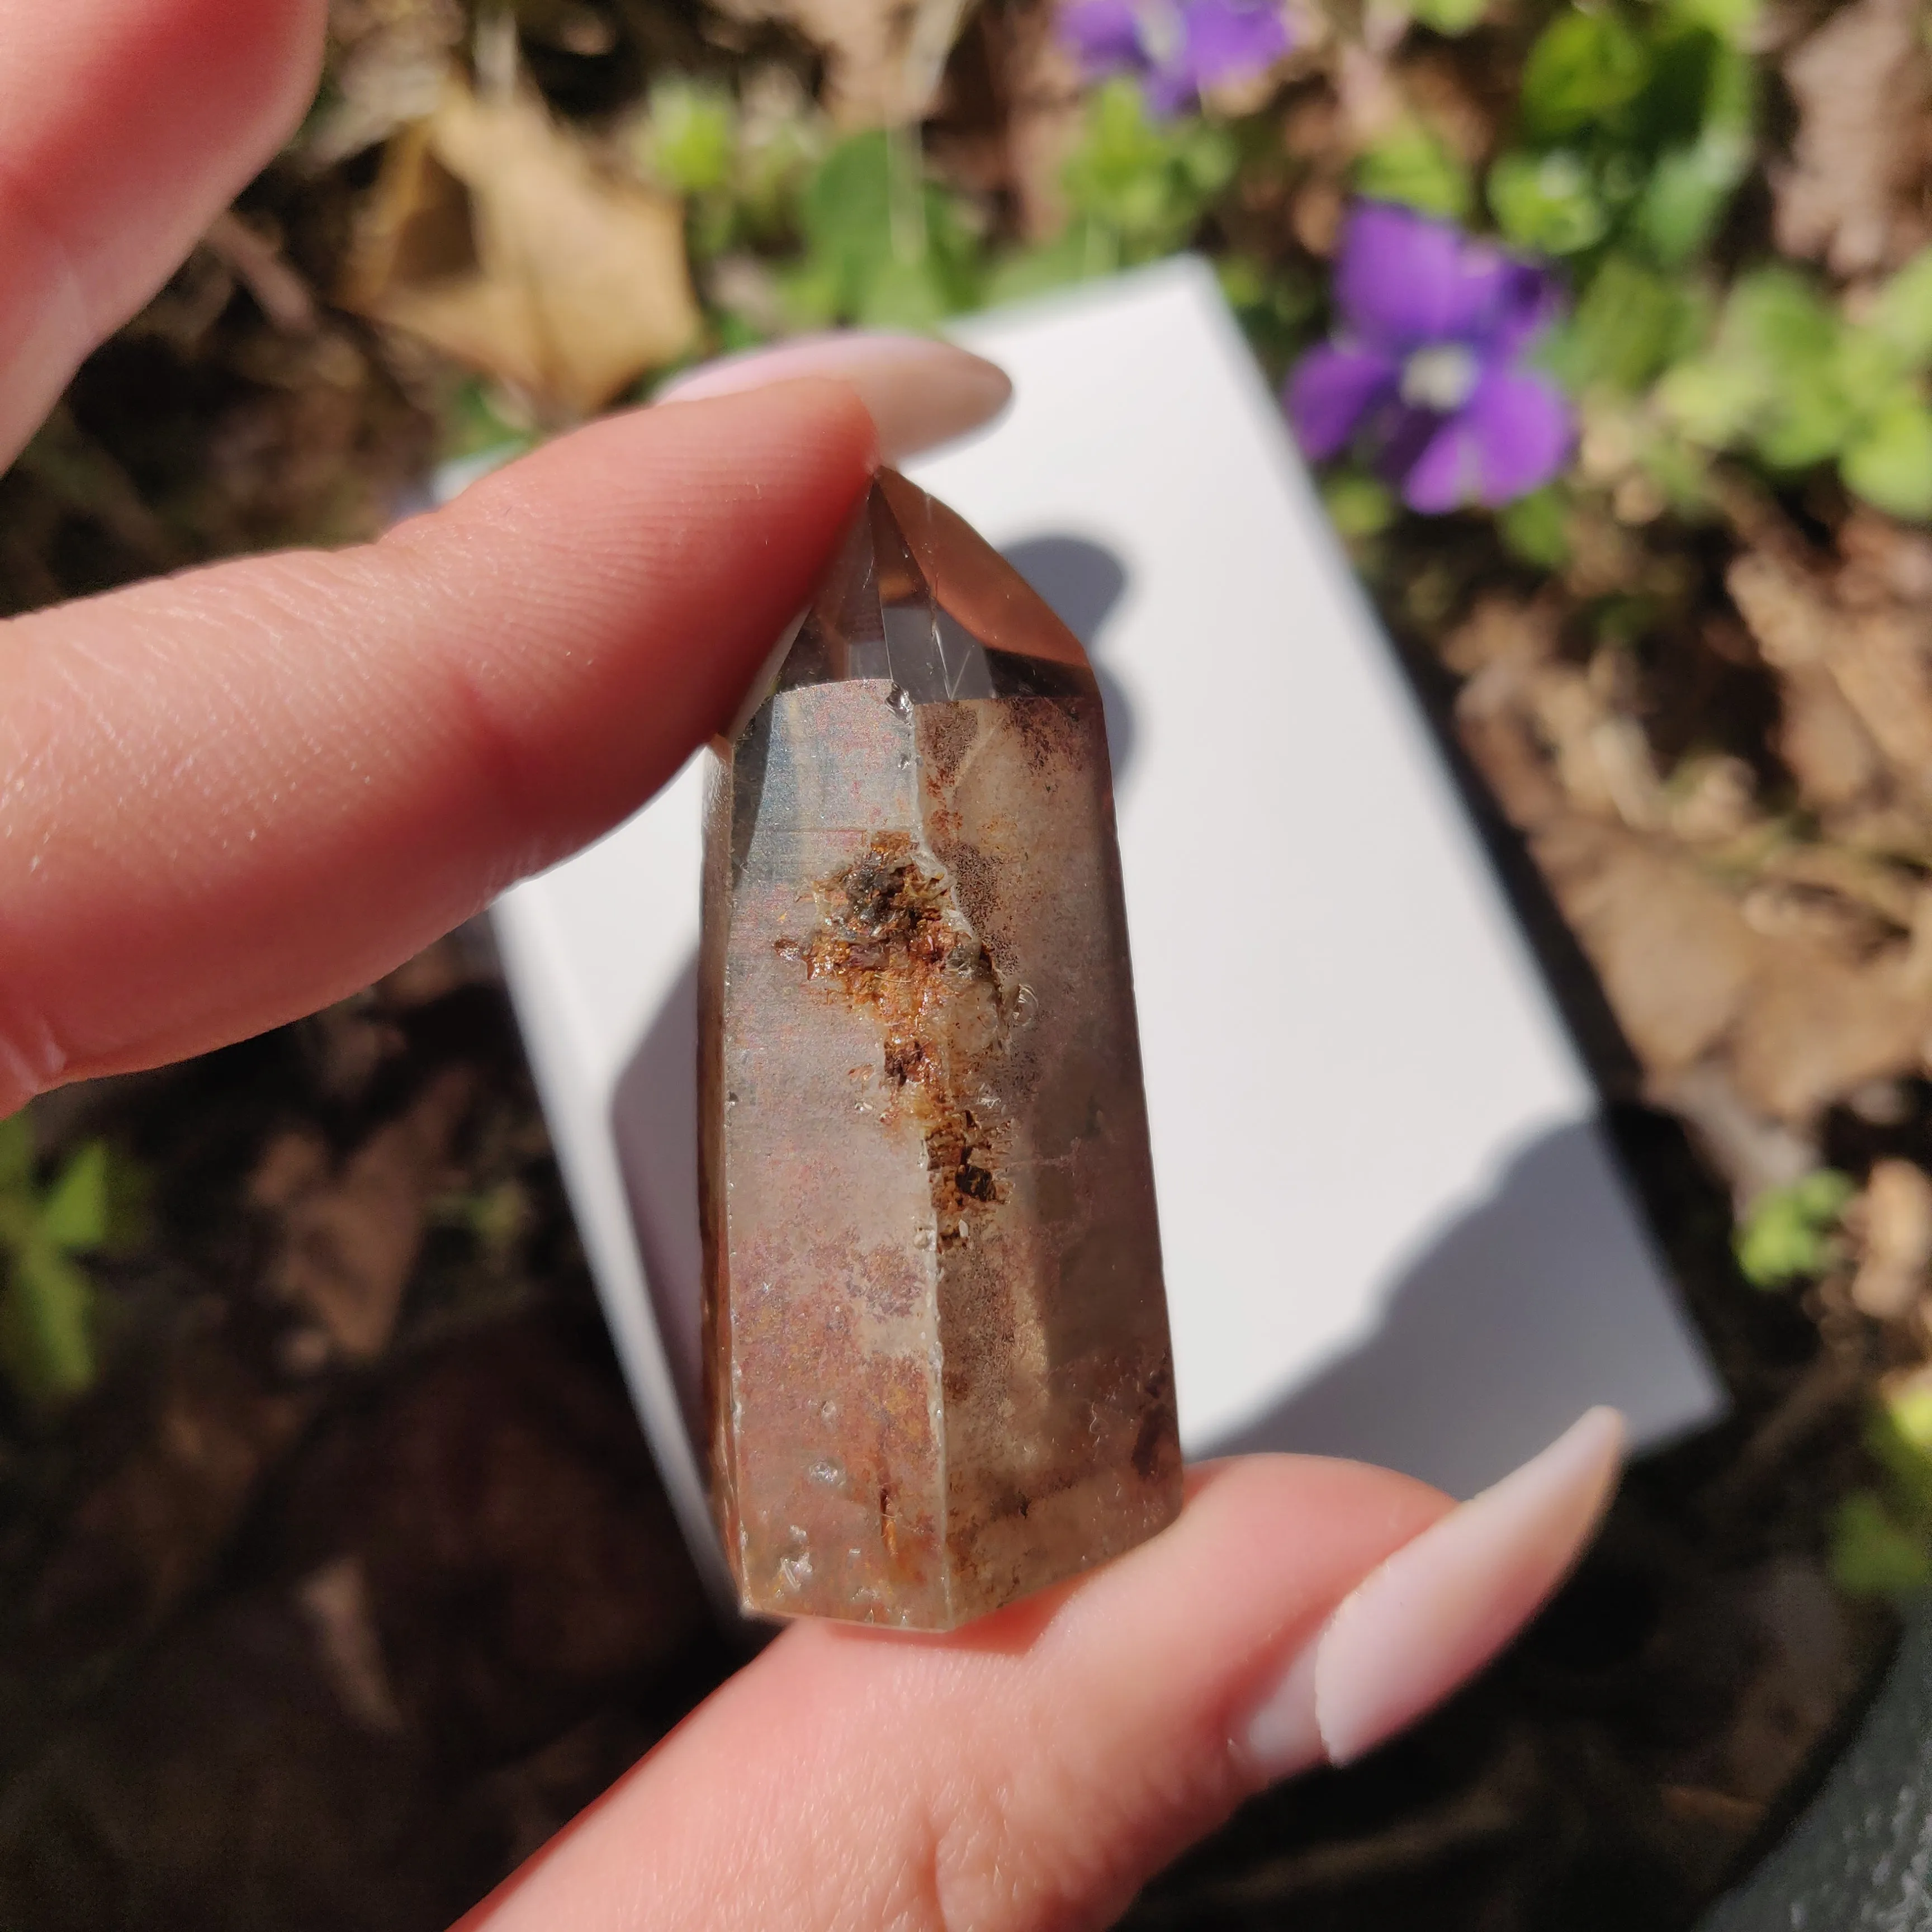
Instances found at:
x=125 y=127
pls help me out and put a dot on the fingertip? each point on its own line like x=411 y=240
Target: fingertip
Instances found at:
x=919 y=392
x=1442 y=1606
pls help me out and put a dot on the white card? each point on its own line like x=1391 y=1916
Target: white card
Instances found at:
x=1391 y=1225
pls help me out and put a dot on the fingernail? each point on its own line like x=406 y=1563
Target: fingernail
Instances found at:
x=1429 y=1616
x=920 y=392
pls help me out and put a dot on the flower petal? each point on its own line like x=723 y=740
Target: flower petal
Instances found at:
x=1104 y=34
x=1406 y=279
x=1399 y=281
x=1509 y=438
x=1228 y=43
x=1522 y=426
x=1447 y=474
x=1330 y=390
x=1171 y=89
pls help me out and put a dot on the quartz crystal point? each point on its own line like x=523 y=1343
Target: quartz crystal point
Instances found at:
x=937 y=1351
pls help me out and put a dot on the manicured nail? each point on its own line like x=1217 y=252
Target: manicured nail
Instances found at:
x=920 y=392
x=1431 y=1615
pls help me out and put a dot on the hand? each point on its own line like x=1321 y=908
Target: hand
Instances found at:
x=230 y=796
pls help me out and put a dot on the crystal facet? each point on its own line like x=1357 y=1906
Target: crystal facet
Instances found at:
x=936 y=1337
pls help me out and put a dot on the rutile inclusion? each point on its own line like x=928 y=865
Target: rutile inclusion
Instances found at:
x=937 y=1357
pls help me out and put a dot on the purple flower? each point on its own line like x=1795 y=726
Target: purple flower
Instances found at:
x=1177 y=47
x=1426 y=363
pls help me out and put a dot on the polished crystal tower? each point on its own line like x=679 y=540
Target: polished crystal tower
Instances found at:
x=936 y=1337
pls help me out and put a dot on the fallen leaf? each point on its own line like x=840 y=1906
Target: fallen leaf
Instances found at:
x=1856 y=678
x=389 y=59
x=335 y=1600
x=1894 y=1218
x=884 y=58
x=1046 y=111
x=1860 y=84
x=350 y=1239
x=1677 y=960
x=1754 y=1155
x=1815 y=1027
x=492 y=234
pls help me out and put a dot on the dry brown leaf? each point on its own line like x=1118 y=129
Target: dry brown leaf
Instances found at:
x=335 y=1601
x=1890 y=892
x=493 y=234
x=1046 y=111
x=1855 y=674
x=1713 y=800
x=389 y=60
x=350 y=1239
x=1823 y=745
x=884 y=58
x=1499 y=738
x=1860 y=84
x=1677 y=963
x=1753 y=1154
x=1894 y=1217
x=1815 y=1028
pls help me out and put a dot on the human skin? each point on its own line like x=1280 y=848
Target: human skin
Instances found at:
x=228 y=797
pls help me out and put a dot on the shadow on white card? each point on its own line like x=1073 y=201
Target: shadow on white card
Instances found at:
x=1523 y=1295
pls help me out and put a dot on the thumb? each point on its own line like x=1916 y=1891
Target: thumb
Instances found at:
x=1032 y=1771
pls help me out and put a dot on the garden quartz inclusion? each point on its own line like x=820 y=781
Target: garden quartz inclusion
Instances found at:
x=936 y=1357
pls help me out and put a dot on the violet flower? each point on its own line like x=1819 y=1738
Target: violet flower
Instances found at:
x=1426 y=363
x=1176 y=47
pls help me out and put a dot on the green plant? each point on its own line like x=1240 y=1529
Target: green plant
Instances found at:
x=1635 y=126
x=1882 y=1538
x=884 y=246
x=47 y=1299
x=1136 y=188
x=1411 y=165
x=1790 y=380
x=1790 y=1234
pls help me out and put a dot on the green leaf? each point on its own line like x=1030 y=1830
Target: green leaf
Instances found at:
x=1888 y=462
x=1731 y=20
x=1903 y=314
x=1547 y=202
x=1872 y=1555
x=16 y=1154
x=1631 y=323
x=882 y=245
x=1535 y=529
x=1084 y=250
x=1409 y=165
x=1782 y=344
x=691 y=137
x=912 y=296
x=74 y=1215
x=1787 y=1233
x=857 y=216
x=1582 y=68
x=1689 y=190
x=1358 y=505
x=1895 y=1434
x=1451 y=17
x=1149 y=182
x=1715 y=402
x=46 y=1347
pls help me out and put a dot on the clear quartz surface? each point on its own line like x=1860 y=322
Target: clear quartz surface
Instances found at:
x=936 y=1334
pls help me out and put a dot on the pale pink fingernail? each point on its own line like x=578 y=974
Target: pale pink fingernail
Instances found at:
x=920 y=392
x=1431 y=1615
